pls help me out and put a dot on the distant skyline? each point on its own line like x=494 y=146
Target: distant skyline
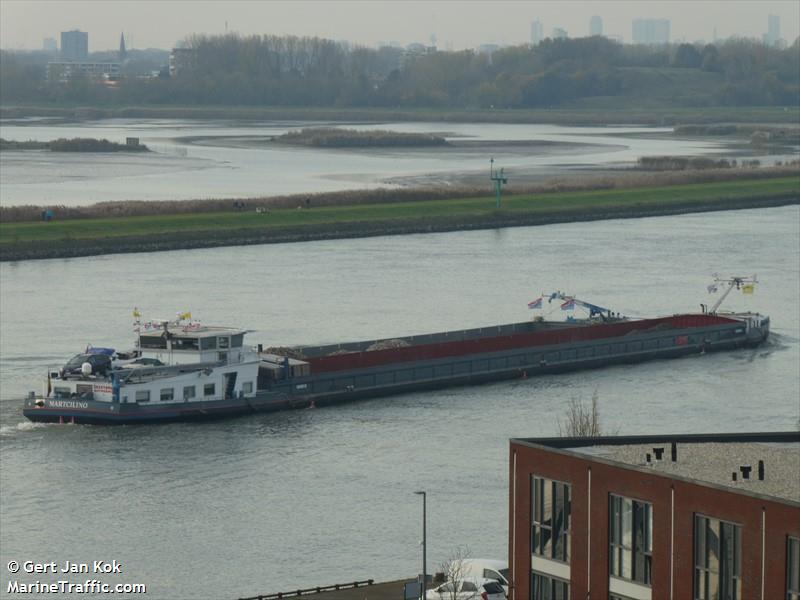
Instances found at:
x=24 y=24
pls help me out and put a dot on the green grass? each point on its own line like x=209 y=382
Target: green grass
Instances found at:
x=415 y=213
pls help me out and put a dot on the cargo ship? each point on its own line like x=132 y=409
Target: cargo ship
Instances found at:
x=181 y=370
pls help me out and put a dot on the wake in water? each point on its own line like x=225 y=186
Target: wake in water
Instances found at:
x=23 y=426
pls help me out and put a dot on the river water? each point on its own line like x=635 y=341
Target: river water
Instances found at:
x=274 y=502
x=223 y=159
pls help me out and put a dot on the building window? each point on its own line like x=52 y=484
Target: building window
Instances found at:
x=247 y=387
x=793 y=569
x=631 y=539
x=167 y=394
x=143 y=396
x=209 y=389
x=188 y=392
x=545 y=587
x=550 y=508
x=717 y=559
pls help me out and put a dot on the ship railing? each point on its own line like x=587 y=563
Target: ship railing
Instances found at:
x=314 y=590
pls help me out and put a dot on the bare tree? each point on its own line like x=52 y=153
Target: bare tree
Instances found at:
x=581 y=420
x=454 y=570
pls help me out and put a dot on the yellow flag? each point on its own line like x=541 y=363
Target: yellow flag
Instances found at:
x=136 y=312
x=185 y=315
x=748 y=289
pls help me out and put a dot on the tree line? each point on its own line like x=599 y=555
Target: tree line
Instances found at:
x=307 y=71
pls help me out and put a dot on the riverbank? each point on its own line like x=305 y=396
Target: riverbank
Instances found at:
x=87 y=237
x=561 y=116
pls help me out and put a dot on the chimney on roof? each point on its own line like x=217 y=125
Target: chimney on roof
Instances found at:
x=674 y=452
x=659 y=452
x=761 y=470
x=745 y=469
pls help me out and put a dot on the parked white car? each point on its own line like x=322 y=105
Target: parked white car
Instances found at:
x=488 y=568
x=468 y=588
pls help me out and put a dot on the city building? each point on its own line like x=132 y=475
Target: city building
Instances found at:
x=537 y=32
x=74 y=45
x=123 y=53
x=651 y=31
x=596 y=25
x=50 y=44
x=773 y=34
x=559 y=33
x=656 y=517
x=63 y=71
x=181 y=60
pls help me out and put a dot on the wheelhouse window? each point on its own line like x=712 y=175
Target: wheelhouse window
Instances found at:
x=223 y=343
x=631 y=539
x=209 y=389
x=188 y=392
x=793 y=569
x=237 y=340
x=143 y=396
x=545 y=587
x=550 y=518
x=185 y=344
x=247 y=387
x=156 y=342
x=717 y=559
x=208 y=343
x=167 y=394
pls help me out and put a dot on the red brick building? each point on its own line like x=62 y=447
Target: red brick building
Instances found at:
x=683 y=517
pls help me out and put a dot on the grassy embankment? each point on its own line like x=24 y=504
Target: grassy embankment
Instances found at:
x=331 y=137
x=80 y=237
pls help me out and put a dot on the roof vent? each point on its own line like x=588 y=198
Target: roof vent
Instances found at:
x=761 y=470
x=734 y=476
x=745 y=469
x=674 y=452
x=659 y=452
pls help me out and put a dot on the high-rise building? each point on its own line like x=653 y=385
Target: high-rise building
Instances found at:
x=74 y=45
x=50 y=44
x=773 y=30
x=651 y=31
x=596 y=25
x=559 y=33
x=537 y=32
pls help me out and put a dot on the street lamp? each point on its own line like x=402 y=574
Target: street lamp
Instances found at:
x=424 y=544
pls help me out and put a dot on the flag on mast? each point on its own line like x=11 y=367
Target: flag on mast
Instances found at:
x=535 y=303
x=748 y=288
x=569 y=304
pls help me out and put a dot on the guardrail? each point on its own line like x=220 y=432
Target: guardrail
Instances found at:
x=314 y=590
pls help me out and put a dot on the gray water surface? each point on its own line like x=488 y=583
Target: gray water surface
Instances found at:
x=274 y=502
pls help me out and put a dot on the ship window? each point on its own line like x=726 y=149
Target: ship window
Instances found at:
x=236 y=340
x=184 y=344
x=143 y=396
x=209 y=389
x=223 y=343
x=152 y=341
x=61 y=392
x=167 y=394
x=223 y=356
x=208 y=343
x=188 y=392
x=247 y=387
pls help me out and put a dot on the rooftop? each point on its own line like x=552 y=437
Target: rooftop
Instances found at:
x=707 y=458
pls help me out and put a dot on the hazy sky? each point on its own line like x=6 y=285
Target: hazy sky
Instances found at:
x=456 y=24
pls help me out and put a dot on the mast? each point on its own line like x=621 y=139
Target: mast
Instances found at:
x=745 y=284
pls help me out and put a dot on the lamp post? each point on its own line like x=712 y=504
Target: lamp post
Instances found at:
x=424 y=544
